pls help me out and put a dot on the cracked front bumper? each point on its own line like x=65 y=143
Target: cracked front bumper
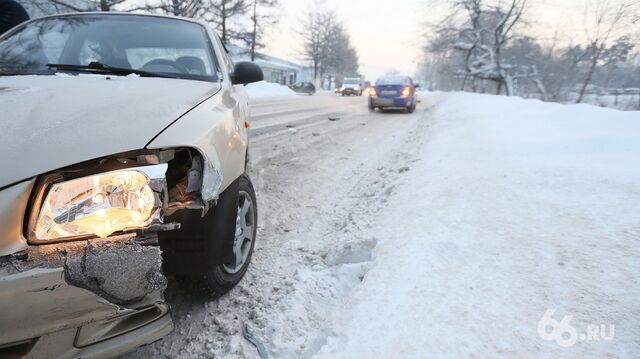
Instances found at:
x=42 y=317
x=82 y=299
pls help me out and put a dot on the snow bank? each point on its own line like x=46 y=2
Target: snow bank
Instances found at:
x=268 y=89
x=516 y=207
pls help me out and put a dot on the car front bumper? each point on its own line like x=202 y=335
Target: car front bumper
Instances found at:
x=93 y=298
x=43 y=316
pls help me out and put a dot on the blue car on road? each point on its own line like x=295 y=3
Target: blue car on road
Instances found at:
x=393 y=92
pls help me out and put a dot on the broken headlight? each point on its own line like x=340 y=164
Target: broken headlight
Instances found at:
x=100 y=205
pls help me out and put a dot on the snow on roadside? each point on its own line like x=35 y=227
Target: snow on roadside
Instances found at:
x=268 y=89
x=516 y=207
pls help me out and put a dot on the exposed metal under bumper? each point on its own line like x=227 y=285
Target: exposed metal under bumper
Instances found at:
x=89 y=299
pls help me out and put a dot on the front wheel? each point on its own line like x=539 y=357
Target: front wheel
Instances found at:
x=224 y=277
x=217 y=278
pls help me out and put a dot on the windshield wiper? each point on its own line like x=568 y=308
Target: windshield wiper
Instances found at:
x=102 y=68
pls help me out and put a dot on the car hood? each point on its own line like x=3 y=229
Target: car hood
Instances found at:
x=49 y=122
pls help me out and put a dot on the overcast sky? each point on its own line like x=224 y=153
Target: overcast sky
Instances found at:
x=388 y=33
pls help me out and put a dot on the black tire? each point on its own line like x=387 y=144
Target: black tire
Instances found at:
x=410 y=109
x=371 y=108
x=217 y=279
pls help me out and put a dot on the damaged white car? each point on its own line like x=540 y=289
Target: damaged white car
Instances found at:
x=124 y=152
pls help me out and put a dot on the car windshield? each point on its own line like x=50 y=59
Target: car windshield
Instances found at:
x=150 y=45
x=393 y=80
x=351 y=81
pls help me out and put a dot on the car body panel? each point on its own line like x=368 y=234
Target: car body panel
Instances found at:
x=46 y=300
x=109 y=114
x=13 y=204
x=56 y=344
x=217 y=130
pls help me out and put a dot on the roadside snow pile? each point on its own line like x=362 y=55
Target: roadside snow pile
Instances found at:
x=516 y=207
x=268 y=89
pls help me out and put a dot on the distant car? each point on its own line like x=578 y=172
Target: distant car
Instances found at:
x=393 y=92
x=351 y=86
x=124 y=157
x=303 y=87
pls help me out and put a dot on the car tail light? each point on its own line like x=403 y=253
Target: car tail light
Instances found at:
x=372 y=91
x=406 y=91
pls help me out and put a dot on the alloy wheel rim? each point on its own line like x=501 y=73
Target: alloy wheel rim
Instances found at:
x=243 y=240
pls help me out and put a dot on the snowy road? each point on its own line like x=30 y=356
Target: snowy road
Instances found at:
x=444 y=233
x=273 y=115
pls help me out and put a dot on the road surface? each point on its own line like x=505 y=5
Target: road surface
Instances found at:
x=318 y=163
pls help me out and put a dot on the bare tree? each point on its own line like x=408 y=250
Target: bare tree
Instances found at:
x=327 y=45
x=221 y=12
x=602 y=20
x=48 y=7
x=184 y=8
x=313 y=37
x=341 y=58
x=260 y=18
x=218 y=12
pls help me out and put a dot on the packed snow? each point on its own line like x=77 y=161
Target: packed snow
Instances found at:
x=268 y=89
x=449 y=232
x=515 y=207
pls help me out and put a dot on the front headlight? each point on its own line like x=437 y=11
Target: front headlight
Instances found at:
x=101 y=204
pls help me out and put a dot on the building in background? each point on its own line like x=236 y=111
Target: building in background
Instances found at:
x=275 y=69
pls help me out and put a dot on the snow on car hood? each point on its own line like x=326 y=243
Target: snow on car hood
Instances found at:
x=50 y=122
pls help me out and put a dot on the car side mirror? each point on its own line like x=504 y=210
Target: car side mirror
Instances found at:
x=246 y=72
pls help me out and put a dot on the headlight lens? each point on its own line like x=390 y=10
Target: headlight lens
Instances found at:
x=101 y=204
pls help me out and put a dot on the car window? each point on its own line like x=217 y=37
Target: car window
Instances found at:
x=193 y=59
x=154 y=44
x=90 y=51
x=394 y=80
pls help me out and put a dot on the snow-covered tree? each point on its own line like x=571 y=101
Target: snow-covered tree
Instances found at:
x=603 y=19
x=483 y=37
